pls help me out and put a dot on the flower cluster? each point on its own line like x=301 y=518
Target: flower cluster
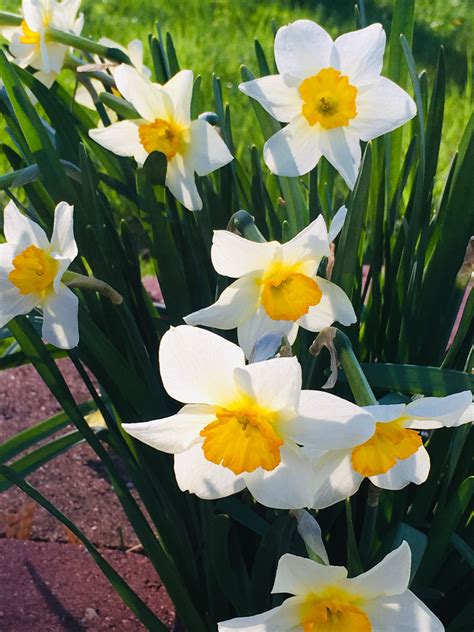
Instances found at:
x=252 y=425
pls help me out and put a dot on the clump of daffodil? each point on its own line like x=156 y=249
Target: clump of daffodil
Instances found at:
x=277 y=287
x=31 y=272
x=332 y=96
x=165 y=125
x=30 y=44
x=394 y=455
x=324 y=599
x=244 y=426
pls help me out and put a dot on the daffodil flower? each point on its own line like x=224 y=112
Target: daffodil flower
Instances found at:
x=31 y=269
x=331 y=95
x=326 y=600
x=277 y=289
x=243 y=426
x=394 y=456
x=29 y=43
x=165 y=126
x=134 y=50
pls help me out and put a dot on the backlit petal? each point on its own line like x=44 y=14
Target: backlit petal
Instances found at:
x=334 y=306
x=294 y=150
x=260 y=324
x=298 y=575
x=60 y=319
x=302 y=49
x=236 y=304
x=341 y=148
x=197 y=366
x=174 y=434
x=122 y=139
x=414 y=469
x=438 y=412
x=277 y=97
x=334 y=478
x=149 y=100
x=180 y=181
x=234 y=256
x=311 y=243
x=62 y=240
x=337 y=223
x=381 y=107
x=402 y=613
x=360 y=54
x=195 y=474
x=21 y=231
x=208 y=151
x=180 y=90
x=15 y=304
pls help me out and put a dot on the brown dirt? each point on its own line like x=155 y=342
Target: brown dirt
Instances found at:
x=58 y=587
x=53 y=586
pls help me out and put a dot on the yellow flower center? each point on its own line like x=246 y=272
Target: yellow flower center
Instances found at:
x=34 y=271
x=329 y=99
x=287 y=294
x=390 y=442
x=333 y=611
x=243 y=439
x=29 y=36
x=164 y=136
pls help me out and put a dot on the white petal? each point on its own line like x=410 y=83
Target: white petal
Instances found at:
x=62 y=240
x=438 y=412
x=302 y=49
x=63 y=265
x=311 y=243
x=7 y=254
x=294 y=150
x=389 y=577
x=311 y=533
x=278 y=98
x=260 y=324
x=21 y=231
x=60 y=319
x=236 y=304
x=149 y=99
x=234 y=256
x=135 y=52
x=360 y=54
x=195 y=474
x=208 y=151
x=415 y=469
x=275 y=384
x=48 y=78
x=32 y=13
x=53 y=57
x=402 y=613
x=329 y=422
x=299 y=575
x=12 y=304
x=337 y=223
x=385 y=413
x=334 y=478
x=174 y=434
x=197 y=366
x=284 y=618
x=334 y=306
x=180 y=181
x=289 y=486
x=341 y=147
x=180 y=90
x=381 y=107
x=122 y=139
x=467 y=416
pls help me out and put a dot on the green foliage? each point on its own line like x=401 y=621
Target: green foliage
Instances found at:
x=400 y=259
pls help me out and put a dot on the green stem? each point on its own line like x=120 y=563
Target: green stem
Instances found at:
x=360 y=387
x=83 y=43
x=368 y=527
x=10 y=19
x=74 y=279
x=354 y=565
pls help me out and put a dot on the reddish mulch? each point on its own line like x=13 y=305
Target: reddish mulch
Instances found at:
x=56 y=587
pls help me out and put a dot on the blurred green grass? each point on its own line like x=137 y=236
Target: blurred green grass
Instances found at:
x=218 y=35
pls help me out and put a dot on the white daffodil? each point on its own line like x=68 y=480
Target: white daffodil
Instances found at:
x=326 y=600
x=165 y=126
x=331 y=95
x=277 y=289
x=29 y=43
x=134 y=50
x=394 y=456
x=31 y=269
x=242 y=426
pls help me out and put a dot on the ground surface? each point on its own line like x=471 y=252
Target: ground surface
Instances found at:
x=51 y=582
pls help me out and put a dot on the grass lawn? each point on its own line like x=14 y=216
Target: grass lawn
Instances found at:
x=217 y=35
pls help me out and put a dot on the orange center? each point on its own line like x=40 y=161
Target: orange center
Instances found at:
x=333 y=611
x=29 y=36
x=329 y=99
x=161 y=135
x=34 y=271
x=288 y=294
x=243 y=439
x=390 y=443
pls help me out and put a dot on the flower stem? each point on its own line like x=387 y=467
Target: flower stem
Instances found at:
x=368 y=526
x=354 y=564
x=360 y=387
x=73 y=279
x=83 y=43
x=10 y=19
x=244 y=223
